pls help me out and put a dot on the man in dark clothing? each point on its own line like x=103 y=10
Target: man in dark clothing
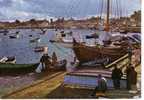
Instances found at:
x=133 y=78
x=45 y=60
x=128 y=77
x=116 y=77
x=101 y=86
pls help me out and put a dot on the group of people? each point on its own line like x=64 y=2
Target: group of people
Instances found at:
x=47 y=62
x=131 y=77
x=131 y=80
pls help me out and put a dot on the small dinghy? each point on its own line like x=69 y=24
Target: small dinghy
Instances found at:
x=10 y=60
x=12 y=37
x=60 y=65
x=30 y=35
x=15 y=36
x=35 y=40
x=63 y=39
x=40 y=49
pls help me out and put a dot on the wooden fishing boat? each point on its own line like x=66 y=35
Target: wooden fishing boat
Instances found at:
x=88 y=53
x=14 y=69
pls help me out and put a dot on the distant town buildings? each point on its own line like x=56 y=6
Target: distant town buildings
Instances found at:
x=91 y=23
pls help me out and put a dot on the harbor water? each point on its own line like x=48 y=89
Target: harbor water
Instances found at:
x=23 y=50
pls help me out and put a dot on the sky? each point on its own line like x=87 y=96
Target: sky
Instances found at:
x=46 y=9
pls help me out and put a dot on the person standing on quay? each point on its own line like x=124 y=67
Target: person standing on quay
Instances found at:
x=54 y=59
x=46 y=61
x=128 y=77
x=116 y=77
x=133 y=79
x=101 y=87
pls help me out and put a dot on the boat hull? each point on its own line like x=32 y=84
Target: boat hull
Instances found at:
x=12 y=37
x=14 y=69
x=86 y=53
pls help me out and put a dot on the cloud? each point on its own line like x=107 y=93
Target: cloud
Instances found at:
x=26 y=9
x=5 y=3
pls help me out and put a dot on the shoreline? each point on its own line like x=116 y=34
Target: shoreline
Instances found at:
x=136 y=30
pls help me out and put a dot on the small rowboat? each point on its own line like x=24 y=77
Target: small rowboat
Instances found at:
x=16 y=69
x=35 y=40
x=58 y=66
x=11 y=60
x=61 y=65
x=40 y=49
x=30 y=35
x=12 y=37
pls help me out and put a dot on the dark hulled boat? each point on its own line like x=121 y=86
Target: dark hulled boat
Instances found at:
x=15 y=69
x=87 y=53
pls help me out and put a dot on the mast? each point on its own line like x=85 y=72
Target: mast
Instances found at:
x=107 y=16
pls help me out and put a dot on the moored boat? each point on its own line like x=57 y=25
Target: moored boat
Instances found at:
x=15 y=69
x=63 y=39
x=9 y=60
x=87 y=53
x=35 y=40
x=15 y=35
x=57 y=66
x=105 y=48
x=40 y=49
x=60 y=65
x=12 y=37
